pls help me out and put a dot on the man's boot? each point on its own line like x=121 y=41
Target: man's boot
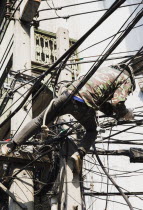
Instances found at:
x=77 y=158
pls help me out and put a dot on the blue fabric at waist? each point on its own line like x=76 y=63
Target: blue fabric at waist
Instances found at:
x=78 y=99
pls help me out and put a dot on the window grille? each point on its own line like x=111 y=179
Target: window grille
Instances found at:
x=46 y=49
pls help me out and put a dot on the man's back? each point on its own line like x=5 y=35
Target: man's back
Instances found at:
x=106 y=83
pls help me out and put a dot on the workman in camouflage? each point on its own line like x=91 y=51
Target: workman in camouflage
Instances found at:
x=106 y=90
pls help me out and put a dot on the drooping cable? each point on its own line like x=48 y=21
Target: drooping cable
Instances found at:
x=70 y=51
x=112 y=180
x=73 y=15
x=109 y=51
x=71 y=5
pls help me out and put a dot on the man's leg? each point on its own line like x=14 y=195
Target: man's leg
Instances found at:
x=86 y=117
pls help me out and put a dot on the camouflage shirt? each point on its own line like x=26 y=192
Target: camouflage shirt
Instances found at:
x=107 y=84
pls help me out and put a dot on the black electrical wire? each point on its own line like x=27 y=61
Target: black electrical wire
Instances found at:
x=114 y=202
x=113 y=7
x=40 y=156
x=77 y=53
x=65 y=6
x=45 y=65
x=33 y=97
x=115 y=53
x=93 y=61
x=15 y=90
x=117 y=174
x=111 y=179
x=136 y=55
x=51 y=8
x=29 y=109
x=132 y=133
x=4 y=54
x=60 y=69
x=109 y=51
x=120 y=187
x=15 y=102
x=120 y=142
x=119 y=31
x=106 y=205
x=10 y=18
x=83 y=13
x=111 y=169
x=120 y=131
x=105 y=40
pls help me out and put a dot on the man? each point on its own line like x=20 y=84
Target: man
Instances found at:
x=106 y=90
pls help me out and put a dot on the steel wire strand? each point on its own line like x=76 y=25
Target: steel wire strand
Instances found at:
x=113 y=7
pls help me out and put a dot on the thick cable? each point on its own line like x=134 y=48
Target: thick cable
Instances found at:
x=10 y=20
x=109 y=51
x=112 y=180
x=112 y=9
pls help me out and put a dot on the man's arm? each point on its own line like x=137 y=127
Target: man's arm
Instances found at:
x=118 y=101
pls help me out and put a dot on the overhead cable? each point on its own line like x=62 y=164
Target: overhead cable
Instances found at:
x=109 y=51
x=70 y=51
x=83 y=13
x=71 y=5
x=112 y=180
x=10 y=18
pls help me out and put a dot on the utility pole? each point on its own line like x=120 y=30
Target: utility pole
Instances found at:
x=71 y=191
x=23 y=187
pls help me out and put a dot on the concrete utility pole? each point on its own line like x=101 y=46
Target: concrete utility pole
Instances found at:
x=72 y=199
x=22 y=188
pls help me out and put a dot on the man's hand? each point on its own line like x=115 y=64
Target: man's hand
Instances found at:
x=129 y=115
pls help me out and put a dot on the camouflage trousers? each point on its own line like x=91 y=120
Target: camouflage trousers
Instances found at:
x=80 y=111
